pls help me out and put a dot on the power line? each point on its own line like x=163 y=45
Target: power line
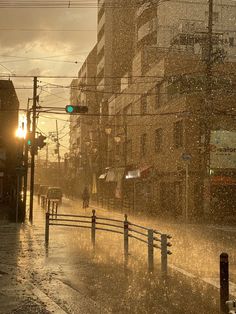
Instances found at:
x=89 y=4
x=143 y=115
x=45 y=30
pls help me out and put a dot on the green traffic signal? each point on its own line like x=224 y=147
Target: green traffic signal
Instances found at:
x=69 y=109
x=29 y=142
x=76 y=109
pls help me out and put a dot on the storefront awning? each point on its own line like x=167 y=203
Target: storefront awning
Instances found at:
x=141 y=172
x=145 y=170
x=102 y=176
x=115 y=174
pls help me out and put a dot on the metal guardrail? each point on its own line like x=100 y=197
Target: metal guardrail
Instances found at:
x=153 y=238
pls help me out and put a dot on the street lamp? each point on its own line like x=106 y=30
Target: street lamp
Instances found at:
x=117 y=139
x=108 y=132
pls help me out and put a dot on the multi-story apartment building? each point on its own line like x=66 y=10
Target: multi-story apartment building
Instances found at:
x=185 y=25
x=84 y=128
x=152 y=79
x=158 y=124
x=165 y=99
x=115 y=44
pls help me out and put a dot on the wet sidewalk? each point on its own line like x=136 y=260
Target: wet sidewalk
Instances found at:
x=27 y=273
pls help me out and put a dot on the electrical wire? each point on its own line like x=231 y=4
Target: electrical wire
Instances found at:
x=89 y=4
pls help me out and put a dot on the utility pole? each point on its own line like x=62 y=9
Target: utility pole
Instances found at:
x=33 y=150
x=208 y=110
x=46 y=166
x=58 y=155
x=125 y=144
x=26 y=158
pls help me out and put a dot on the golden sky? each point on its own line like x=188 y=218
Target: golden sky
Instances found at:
x=45 y=42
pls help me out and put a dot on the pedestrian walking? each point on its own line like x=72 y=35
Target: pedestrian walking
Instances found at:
x=85 y=197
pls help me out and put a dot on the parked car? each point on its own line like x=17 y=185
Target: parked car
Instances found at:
x=54 y=194
x=42 y=194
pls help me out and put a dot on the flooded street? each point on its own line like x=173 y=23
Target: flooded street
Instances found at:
x=196 y=247
x=69 y=277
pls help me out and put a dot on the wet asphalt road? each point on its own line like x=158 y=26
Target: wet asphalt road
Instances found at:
x=196 y=247
x=68 y=277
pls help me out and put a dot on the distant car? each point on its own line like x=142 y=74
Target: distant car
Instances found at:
x=42 y=191
x=54 y=194
x=42 y=194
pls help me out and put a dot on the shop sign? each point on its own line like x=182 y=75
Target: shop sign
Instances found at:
x=133 y=174
x=223 y=149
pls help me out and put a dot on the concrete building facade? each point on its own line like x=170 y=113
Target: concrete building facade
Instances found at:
x=159 y=123
x=152 y=82
x=84 y=129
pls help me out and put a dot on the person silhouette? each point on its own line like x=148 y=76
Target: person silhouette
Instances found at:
x=85 y=197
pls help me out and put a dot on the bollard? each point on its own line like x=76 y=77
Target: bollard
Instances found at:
x=164 y=254
x=224 y=282
x=126 y=240
x=53 y=208
x=48 y=205
x=47 y=228
x=56 y=208
x=93 y=229
x=150 y=250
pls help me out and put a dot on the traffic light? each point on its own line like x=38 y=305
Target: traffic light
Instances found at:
x=29 y=140
x=76 y=109
x=40 y=141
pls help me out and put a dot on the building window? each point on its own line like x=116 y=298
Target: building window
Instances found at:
x=231 y=41
x=178 y=134
x=157 y=97
x=143 y=144
x=143 y=104
x=158 y=140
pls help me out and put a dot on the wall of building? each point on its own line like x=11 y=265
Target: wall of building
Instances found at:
x=9 y=146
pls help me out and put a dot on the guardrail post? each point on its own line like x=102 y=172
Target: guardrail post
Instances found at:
x=56 y=208
x=49 y=205
x=150 y=250
x=164 y=253
x=224 y=282
x=126 y=240
x=47 y=228
x=93 y=229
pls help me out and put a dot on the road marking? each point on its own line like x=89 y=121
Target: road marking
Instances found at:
x=224 y=228
x=182 y=271
x=51 y=306
x=211 y=281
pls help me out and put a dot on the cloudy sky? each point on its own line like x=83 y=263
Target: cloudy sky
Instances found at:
x=51 y=42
